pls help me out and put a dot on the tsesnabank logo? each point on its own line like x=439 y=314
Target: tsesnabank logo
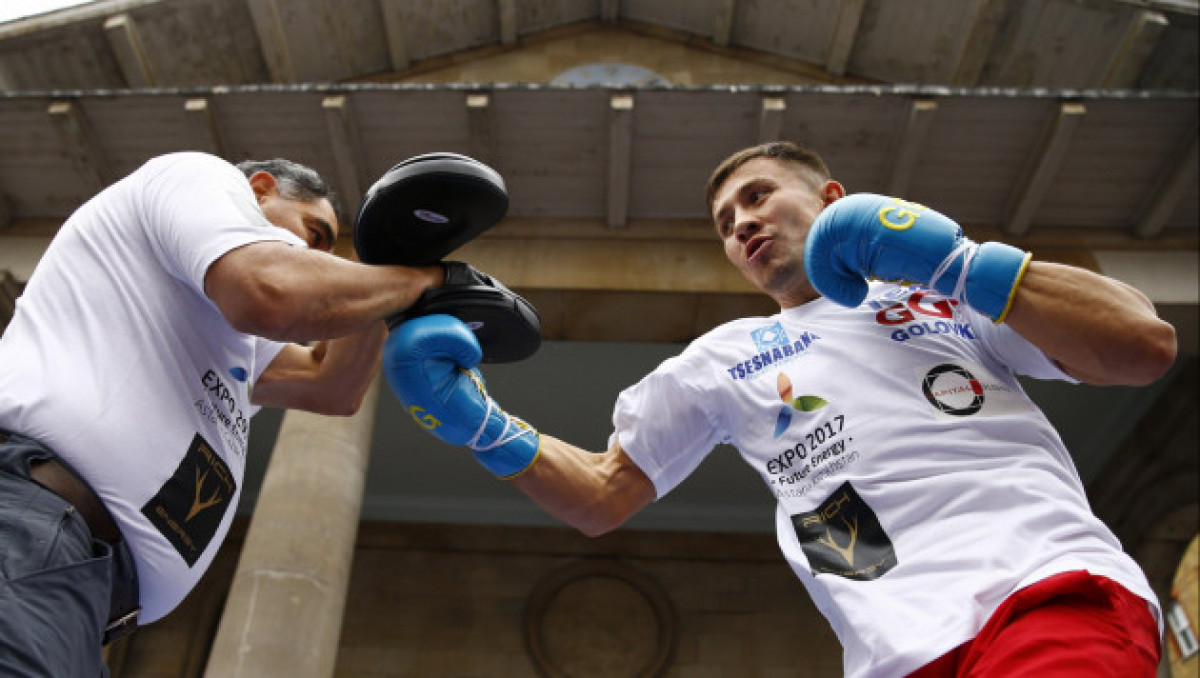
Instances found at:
x=774 y=348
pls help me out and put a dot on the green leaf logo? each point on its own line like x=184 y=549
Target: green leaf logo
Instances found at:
x=809 y=403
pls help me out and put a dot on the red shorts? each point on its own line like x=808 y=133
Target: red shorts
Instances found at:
x=1071 y=624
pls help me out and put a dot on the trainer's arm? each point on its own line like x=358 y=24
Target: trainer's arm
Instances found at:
x=592 y=492
x=1099 y=330
x=285 y=293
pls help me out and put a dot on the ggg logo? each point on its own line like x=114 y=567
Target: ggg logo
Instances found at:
x=423 y=418
x=769 y=337
x=901 y=216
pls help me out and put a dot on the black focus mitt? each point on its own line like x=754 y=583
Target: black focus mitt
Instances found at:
x=426 y=207
x=507 y=326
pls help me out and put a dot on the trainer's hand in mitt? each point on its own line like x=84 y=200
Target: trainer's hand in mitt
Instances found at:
x=426 y=207
x=508 y=327
x=429 y=362
x=866 y=236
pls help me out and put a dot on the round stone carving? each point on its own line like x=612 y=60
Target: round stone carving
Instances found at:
x=594 y=619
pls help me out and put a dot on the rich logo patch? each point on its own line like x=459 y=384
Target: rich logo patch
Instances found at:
x=189 y=507
x=843 y=537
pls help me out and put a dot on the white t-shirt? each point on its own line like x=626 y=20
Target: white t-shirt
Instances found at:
x=117 y=361
x=917 y=484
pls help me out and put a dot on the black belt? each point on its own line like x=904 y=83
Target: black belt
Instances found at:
x=52 y=475
x=62 y=481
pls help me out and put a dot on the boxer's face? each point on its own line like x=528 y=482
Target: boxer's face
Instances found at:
x=763 y=213
x=313 y=221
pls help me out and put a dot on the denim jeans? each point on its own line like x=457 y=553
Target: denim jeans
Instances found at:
x=56 y=580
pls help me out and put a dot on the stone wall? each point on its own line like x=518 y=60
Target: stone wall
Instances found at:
x=455 y=600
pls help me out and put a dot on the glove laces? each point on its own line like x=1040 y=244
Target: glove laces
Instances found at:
x=505 y=437
x=966 y=249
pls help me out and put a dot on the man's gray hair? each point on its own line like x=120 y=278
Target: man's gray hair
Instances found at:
x=296 y=181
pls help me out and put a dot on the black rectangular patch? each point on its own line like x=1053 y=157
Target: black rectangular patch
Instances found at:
x=843 y=537
x=189 y=507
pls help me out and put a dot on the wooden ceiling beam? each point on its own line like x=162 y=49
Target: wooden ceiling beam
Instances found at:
x=6 y=209
x=620 y=157
x=723 y=12
x=990 y=18
x=1145 y=29
x=770 y=121
x=127 y=46
x=198 y=112
x=921 y=113
x=481 y=123
x=81 y=145
x=1169 y=191
x=347 y=151
x=507 y=9
x=393 y=28
x=1043 y=167
x=272 y=40
x=842 y=44
x=610 y=10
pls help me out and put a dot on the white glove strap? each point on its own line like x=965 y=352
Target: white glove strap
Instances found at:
x=965 y=249
x=505 y=437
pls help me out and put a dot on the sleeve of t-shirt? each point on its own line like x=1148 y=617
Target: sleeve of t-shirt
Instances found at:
x=1016 y=352
x=197 y=208
x=663 y=423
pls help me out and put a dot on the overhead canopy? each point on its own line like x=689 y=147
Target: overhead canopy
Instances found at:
x=1077 y=44
x=1097 y=165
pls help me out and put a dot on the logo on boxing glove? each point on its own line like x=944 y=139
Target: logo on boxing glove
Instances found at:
x=908 y=216
x=423 y=418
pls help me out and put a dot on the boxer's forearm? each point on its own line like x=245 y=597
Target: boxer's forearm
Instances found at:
x=592 y=492
x=1098 y=329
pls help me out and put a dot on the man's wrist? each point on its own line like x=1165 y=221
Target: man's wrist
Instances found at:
x=993 y=276
x=513 y=458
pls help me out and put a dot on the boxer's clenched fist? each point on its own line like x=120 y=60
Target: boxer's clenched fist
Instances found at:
x=429 y=362
x=866 y=236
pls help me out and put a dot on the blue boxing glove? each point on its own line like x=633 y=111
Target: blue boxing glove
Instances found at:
x=430 y=364
x=866 y=236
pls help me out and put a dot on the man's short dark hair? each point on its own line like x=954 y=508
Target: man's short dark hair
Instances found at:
x=296 y=181
x=784 y=151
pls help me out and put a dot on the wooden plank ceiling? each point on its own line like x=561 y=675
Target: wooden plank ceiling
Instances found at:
x=999 y=112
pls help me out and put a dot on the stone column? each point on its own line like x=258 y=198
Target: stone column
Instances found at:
x=283 y=616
